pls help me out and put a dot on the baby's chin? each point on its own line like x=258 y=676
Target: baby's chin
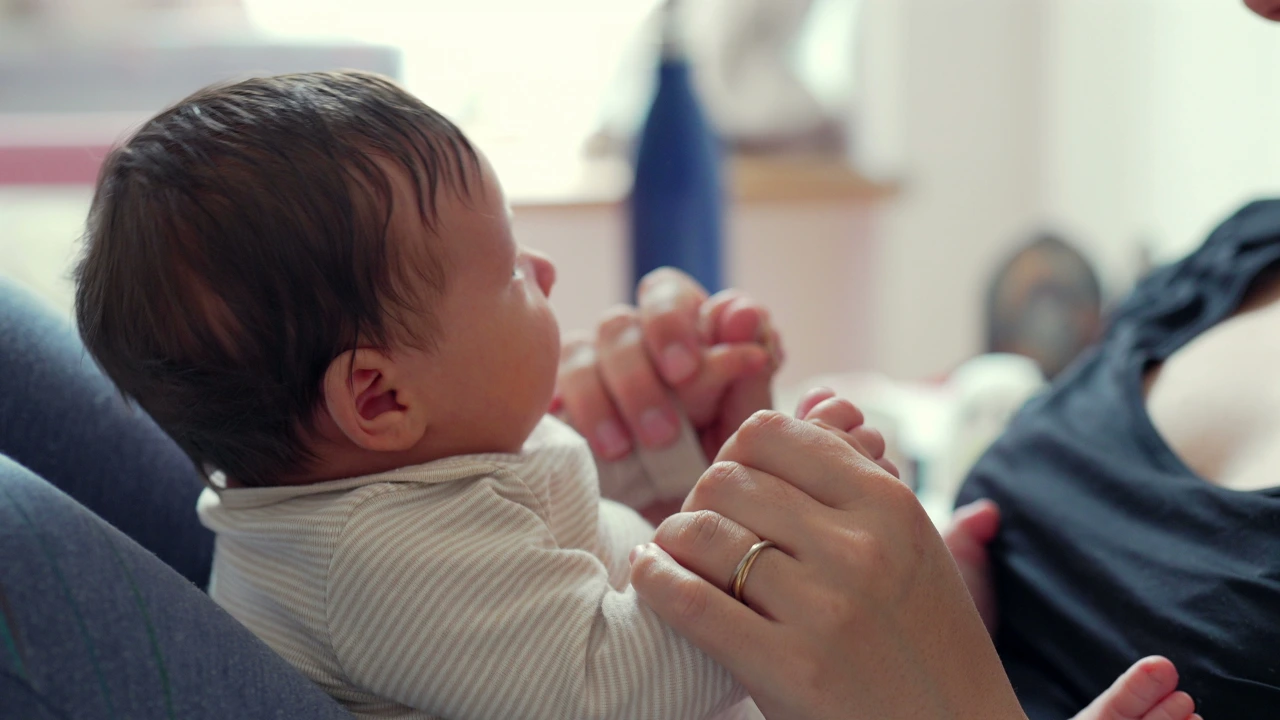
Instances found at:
x=1269 y=9
x=520 y=429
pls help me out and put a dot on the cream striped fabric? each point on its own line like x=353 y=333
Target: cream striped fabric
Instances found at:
x=485 y=586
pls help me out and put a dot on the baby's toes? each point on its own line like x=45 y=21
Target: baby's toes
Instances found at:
x=1140 y=690
x=1178 y=706
x=1144 y=686
x=837 y=412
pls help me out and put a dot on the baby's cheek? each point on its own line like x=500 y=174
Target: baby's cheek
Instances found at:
x=550 y=331
x=545 y=358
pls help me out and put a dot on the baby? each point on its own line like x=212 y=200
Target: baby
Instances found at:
x=310 y=282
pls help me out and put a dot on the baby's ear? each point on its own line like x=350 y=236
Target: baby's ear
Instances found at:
x=367 y=394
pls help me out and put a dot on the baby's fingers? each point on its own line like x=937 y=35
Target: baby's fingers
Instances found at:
x=845 y=420
x=871 y=439
x=721 y=366
x=838 y=413
x=853 y=442
x=811 y=399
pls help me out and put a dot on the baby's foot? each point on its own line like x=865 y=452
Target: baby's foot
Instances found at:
x=972 y=529
x=842 y=417
x=1146 y=691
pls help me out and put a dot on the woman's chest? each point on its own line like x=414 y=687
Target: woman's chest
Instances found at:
x=1216 y=400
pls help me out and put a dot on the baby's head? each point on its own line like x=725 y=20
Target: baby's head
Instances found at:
x=313 y=276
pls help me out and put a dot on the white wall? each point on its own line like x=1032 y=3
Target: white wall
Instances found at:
x=809 y=262
x=1094 y=90
x=1118 y=122
x=1114 y=120
x=963 y=113
x=1162 y=116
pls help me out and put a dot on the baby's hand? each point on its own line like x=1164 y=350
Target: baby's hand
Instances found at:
x=822 y=408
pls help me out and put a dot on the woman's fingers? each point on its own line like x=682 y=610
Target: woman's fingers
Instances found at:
x=770 y=508
x=630 y=379
x=730 y=632
x=712 y=545
x=814 y=460
x=585 y=402
x=722 y=366
x=868 y=613
x=732 y=316
x=669 y=302
x=619 y=392
x=727 y=362
x=711 y=312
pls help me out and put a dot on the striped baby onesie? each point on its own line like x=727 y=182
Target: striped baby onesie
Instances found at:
x=479 y=586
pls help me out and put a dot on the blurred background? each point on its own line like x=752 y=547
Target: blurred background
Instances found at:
x=907 y=184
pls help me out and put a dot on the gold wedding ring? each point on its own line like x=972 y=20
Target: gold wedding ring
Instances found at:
x=744 y=568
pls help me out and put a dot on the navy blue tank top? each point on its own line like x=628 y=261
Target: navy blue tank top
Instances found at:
x=1110 y=547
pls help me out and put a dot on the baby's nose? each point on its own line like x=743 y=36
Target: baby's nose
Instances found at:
x=544 y=271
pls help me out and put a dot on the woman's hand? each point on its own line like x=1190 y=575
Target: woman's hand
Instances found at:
x=714 y=358
x=859 y=612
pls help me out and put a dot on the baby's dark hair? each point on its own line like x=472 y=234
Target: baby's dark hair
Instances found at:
x=241 y=240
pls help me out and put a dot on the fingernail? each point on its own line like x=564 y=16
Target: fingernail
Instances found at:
x=657 y=428
x=632 y=335
x=661 y=296
x=678 y=363
x=611 y=442
x=635 y=551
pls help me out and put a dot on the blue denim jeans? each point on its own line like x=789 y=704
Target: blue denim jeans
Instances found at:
x=102 y=559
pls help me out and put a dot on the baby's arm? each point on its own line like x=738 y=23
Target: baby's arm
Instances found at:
x=496 y=620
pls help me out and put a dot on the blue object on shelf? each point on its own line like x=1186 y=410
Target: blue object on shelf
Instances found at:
x=676 y=199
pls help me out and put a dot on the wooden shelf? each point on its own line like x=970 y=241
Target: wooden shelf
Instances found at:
x=751 y=179
x=65 y=149
x=756 y=178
